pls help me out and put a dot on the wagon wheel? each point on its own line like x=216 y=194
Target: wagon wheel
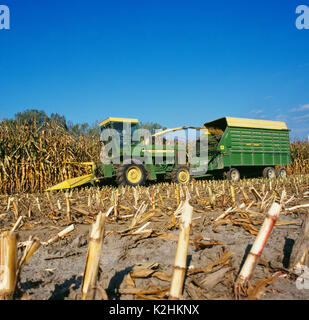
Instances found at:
x=181 y=175
x=269 y=173
x=131 y=175
x=281 y=173
x=233 y=175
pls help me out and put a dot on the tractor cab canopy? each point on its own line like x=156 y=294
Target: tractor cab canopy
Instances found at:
x=118 y=124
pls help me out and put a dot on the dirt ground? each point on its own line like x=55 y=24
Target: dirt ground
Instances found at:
x=55 y=271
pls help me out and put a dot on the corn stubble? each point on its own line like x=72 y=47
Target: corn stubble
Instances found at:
x=300 y=252
x=243 y=279
x=181 y=253
x=244 y=205
x=8 y=265
x=93 y=258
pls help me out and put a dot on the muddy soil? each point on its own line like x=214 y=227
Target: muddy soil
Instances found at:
x=55 y=271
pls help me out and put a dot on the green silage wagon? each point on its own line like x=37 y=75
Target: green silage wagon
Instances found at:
x=247 y=147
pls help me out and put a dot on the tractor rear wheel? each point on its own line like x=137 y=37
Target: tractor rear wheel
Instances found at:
x=281 y=173
x=181 y=175
x=131 y=175
x=269 y=173
x=233 y=175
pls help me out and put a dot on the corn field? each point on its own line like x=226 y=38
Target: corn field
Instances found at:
x=33 y=158
x=300 y=158
x=225 y=217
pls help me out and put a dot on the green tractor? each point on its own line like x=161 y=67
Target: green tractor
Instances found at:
x=143 y=167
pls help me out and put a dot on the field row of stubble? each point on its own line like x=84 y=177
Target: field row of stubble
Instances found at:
x=221 y=209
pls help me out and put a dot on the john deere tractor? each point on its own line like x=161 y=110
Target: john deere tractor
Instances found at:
x=134 y=170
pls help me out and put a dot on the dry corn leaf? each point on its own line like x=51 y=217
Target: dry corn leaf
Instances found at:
x=80 y=210
x=125 y=208
x=200 y=245
x=202 y=211
x=147 y=216
x=172 y=224
x=151 y=290
x=155 y=219
x=51 y=216
x=144 y=271
x=129 y=281
x=28 y=226
x=216 y=265
x=216 y=296
x=25 y=296
x=214 y=278
x=237 y=222
x=145 y=297
x=193 y=291
x=169 y=236
x=162 y=275
x=89 y=220
x=285 y=223
x=141 y=273
x=249 y=228
x=204 y=202
x=257 y=291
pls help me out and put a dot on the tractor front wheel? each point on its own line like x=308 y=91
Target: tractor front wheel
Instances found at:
x=233 y=175
x=131 y=175
x=181 y=175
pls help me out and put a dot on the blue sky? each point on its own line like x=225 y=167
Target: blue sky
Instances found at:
x=168 y=61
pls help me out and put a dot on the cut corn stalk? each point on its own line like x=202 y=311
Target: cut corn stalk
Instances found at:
x=224 y=214
x=60 y=235
x=9 y=203
x=299 y=256
x=31 y=247
x=256 y=194
x=177 y=194
x=8 y=265
x=256 y=250
x=93 y=258
x=181 y=253
x=161 y=199
x=233 y=194
x=16 y=225
x=68 y=206
x=247 y=200
x=141 y=229
x=297 y=207
x=116 y=204
x=15 y=208
x=38 y=204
